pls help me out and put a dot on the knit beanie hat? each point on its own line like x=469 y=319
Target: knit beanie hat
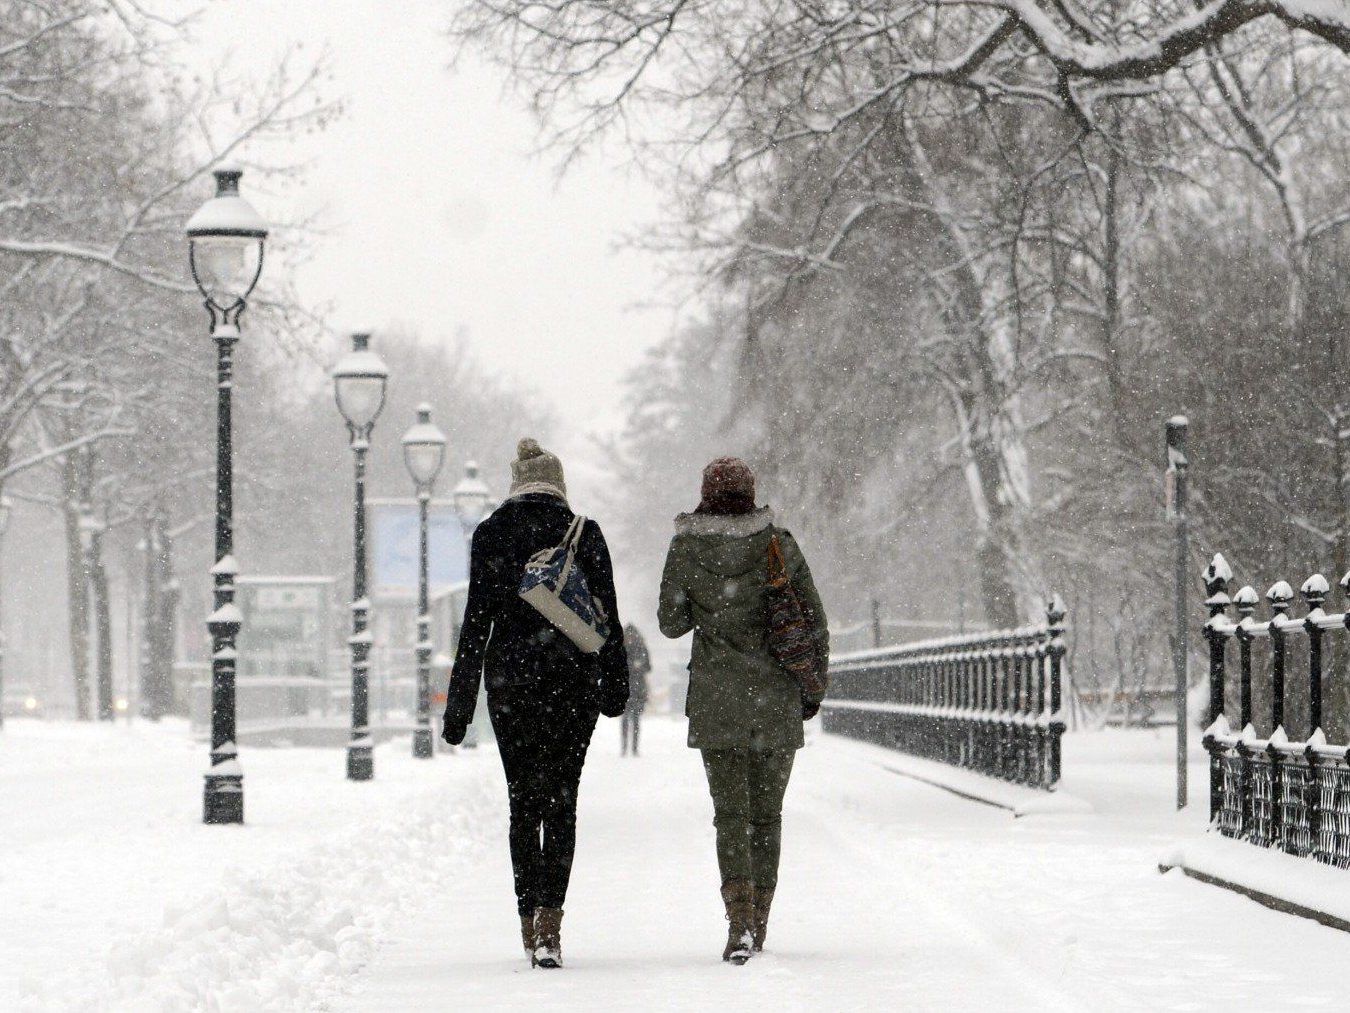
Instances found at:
x=536 y=470
x=728 y=487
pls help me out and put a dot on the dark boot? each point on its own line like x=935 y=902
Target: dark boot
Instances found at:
x=763 y=901
x=739 y=897
x=548 y=946
x=529 y=938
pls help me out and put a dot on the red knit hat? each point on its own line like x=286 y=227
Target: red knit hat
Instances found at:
x=728 y=487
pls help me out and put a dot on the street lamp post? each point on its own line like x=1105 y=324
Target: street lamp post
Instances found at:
x=472 y=501
x=225 y=252
x=423 y=453
x=1175 y=495
x=5 y=507
x=359 y=381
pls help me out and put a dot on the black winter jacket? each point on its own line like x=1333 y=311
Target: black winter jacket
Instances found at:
x=506 y=641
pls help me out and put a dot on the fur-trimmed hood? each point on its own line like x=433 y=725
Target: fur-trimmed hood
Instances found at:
x=730 y=525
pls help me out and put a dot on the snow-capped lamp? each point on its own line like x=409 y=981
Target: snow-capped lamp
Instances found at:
x=424 y=449
x=423 y=453
x=225 y=247
x=471 y=497
x=359 y=381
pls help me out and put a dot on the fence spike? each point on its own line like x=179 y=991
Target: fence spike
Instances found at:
x=1055 y=611
x=1218 y=570
x=1280 y=595
x=1246 y=600
x=1315 y=589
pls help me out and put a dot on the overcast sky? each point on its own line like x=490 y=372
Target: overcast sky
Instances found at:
x=440 y=216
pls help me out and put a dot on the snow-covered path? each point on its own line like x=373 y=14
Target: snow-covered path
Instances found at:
x=396 y=896
x=644 y=927
x=894 y=895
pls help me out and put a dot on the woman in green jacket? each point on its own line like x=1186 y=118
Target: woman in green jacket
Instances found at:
x=745 y=711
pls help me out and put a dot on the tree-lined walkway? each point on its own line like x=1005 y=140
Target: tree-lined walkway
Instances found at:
x=894 y=895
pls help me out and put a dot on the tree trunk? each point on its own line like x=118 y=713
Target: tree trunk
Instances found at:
x=150 y=700
x=167 y=640
x=993 y=432
x=98 y=580
x=997 y=593
x=77 y=587
x=160 y=608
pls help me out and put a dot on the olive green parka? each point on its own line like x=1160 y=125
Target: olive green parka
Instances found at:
x=715 y=581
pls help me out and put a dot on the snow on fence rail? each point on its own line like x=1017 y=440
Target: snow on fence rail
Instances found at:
x=987 y=701
x=1275 y=792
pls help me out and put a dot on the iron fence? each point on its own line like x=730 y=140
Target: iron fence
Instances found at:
x=1287 y=789
x=988 y=701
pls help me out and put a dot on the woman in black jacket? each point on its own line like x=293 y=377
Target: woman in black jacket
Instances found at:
x=543 y=693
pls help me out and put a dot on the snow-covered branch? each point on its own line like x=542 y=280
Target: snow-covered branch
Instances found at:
x=49 y=453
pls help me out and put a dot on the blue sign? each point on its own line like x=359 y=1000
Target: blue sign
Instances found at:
x=394 y=534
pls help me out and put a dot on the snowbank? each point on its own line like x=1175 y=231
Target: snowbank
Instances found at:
x=1287 y=883
x=1018 y=800
x=274 y=915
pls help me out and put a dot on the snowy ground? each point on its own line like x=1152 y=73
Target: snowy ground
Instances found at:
x=396 y=895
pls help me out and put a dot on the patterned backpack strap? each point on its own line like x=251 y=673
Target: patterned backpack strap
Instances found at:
x=571 y=540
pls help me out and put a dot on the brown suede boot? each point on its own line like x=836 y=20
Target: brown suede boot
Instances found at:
x=739 y=897
x=529 y=938
x=548 y=946
x=763 y=901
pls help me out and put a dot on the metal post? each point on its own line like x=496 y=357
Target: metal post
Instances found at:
x=224 y=794
x=422 y=744
x=1245 y=601
x=225 y=219
x=1216 y=578
x=1314 y=591
x=1279 y=597
x=1055 y=614
x=876 y=623
x=360 y=754
x=1177 y=465
x=1038 y=708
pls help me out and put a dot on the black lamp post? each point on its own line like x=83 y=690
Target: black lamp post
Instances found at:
x=4 y=526
x=1175 y=488
x=423 y=453
x=225 y=251
x=359 y=381
x=472 y=500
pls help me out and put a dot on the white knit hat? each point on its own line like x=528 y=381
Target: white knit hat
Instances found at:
x=536 y=470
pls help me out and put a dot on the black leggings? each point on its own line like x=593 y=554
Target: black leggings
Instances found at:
x=543 y=747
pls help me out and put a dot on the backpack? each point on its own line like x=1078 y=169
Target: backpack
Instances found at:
x=556 y=587
x=791 y=634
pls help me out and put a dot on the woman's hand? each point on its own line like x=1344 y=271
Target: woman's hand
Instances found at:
x=453 y=733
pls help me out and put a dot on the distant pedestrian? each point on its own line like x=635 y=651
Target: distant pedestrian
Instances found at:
x=543 y=692
x=639 y=665
x=745 y=709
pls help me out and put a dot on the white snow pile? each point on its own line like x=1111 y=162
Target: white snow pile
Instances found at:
x=287 y=937
x=1301 y=881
